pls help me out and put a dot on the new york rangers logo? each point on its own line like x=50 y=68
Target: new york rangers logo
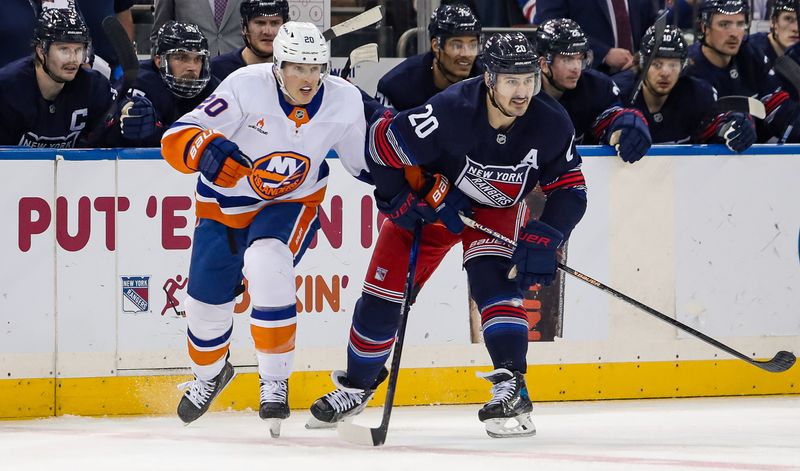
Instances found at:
x=279 y=173
x=135 y=293
x=499 y=186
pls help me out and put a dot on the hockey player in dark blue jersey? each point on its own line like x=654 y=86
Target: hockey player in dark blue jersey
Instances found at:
x=517 y=139
x=174 y=82
x=455 y=41
x=678 y=107
x=51 y=99
x=261 y=20
x=783 y=32
x=590 y=97
x=733 y=66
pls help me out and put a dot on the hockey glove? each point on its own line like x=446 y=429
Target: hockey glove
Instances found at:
x=630 y=136
x=138 y=119
x=218 y=159
x=738 y=130
x=535 y=257
x=406 y=208
x=448 y=201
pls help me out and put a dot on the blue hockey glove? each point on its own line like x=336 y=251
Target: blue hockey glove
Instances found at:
x=218 y=159
x=630 y=136
x=535 y=257
x=138 y=119
x=448 y=201
x=738 y=130
x=406 y=208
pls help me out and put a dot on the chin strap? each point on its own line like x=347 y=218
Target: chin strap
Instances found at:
x=444 y=72
x=46 y=69
x=552 y=82
x=496 y=105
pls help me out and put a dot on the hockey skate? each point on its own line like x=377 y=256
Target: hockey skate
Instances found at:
x=200 y=394
x=274 y=404
x=508 y=413
x=343 y=403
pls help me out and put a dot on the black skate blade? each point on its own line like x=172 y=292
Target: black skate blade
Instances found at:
x=361 y=435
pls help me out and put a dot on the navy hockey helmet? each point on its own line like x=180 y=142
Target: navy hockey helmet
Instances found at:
x=511 y=53
x=253 y=8
x=61 y=24
x=562 y=36
x=175 y=37
x=453 y=20
x=777 y=6
x=672 y=44
x=708 y=8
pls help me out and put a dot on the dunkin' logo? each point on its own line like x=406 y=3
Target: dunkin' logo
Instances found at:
x=279 y=173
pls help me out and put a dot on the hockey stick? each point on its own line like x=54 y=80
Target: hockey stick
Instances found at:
x=365 y=53
x=789 y=69
x=126 y=55
x=369 y=17
x=740 y=104
x=660 y=25
x=377 y=436
x=782 y=361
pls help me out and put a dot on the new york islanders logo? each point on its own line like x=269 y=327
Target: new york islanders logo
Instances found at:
x=279 y=173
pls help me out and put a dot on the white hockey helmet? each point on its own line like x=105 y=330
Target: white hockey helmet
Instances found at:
x=300 y=43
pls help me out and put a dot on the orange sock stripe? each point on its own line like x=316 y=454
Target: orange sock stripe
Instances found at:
x=205 y=358
x=274 y=339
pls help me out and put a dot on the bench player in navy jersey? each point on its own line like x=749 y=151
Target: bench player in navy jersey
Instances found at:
x=455 y=41
x=733 y=66
x=679 y=107
x=783 y=32
x=51 y=99
x=261 y=20
x=516 y=140
x=174 y=81
x=590 y=97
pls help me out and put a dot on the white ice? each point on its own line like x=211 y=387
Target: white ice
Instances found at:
x=743 y=433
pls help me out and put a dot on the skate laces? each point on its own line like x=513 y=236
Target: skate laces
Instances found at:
x=503 y=390
x=343 y=397
x=274 y=391
x=198 y=391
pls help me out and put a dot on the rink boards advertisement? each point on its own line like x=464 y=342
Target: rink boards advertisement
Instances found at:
x=97 y=245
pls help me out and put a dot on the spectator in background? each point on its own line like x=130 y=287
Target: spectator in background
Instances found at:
x=455 y=41
x=174 y=81
x=590 y=98
x=735 y=67
x=782 y=33
x=677 y=107
x=261 y=20
x=614 y=27
x=218 y=20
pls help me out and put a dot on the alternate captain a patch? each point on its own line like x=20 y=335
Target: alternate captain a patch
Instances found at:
x=499 y=186
x=279 y=173
x=135 y=293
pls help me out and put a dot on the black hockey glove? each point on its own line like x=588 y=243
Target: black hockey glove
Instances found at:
x=535 y=257
x=630 y=136
x=406 y=208
x=138 y=119
x=738 y=130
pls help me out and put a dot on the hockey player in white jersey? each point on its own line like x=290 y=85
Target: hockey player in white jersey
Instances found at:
x=259 y=143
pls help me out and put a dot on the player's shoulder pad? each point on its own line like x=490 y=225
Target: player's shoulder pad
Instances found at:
x=20 y=70
x=399 y=75
x=345 y=95
x=547 y=111
x=460 y=97
x=598 y=82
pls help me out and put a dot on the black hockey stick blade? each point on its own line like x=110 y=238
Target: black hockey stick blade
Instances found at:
x=660 y=25
x=782 y=361
x=369 y=17
x=123 y=47
x=789 y=70
x=376 y=436
x=740 y=104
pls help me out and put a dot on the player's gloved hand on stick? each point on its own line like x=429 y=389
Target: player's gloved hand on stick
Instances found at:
x=535 y=257
x=630 y=136
x=218 y=159
x=738 y=130
x=406 y=208
x=448 y=201
x=138 y=118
